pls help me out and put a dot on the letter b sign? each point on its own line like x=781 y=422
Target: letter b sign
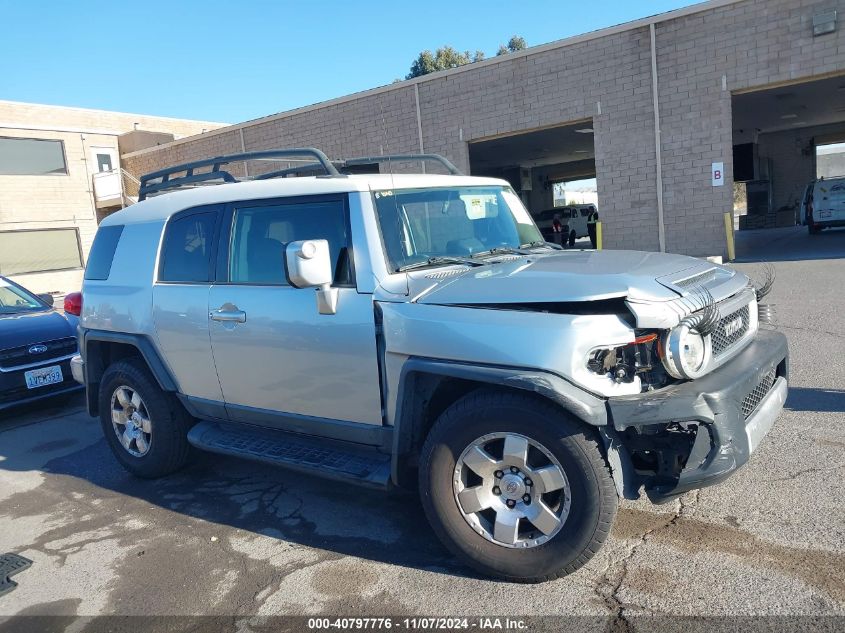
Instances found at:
x=718 y=173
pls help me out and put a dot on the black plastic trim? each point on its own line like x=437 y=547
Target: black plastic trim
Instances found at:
x=139 y=341
x=353 y=432
x=36 y=398
x=581 y=404
x=713 y=401
x=338 y=460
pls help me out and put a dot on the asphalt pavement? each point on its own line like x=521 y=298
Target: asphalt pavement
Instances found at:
x=235 y=538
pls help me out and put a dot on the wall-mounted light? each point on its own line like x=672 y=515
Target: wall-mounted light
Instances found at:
x=824 y=23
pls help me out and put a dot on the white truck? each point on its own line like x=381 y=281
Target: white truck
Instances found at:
x=573 y=220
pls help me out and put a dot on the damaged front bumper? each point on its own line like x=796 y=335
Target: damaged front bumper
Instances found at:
x=697 y=433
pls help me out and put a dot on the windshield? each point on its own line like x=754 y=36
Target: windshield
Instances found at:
x=14 y=299
x=418 y=225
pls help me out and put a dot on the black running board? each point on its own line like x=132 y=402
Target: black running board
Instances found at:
x=317 y=456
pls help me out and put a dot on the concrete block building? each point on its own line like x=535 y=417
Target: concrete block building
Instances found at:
x=666 y=113
x=60 y=172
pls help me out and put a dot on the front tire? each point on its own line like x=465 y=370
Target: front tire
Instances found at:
x=516 y=488
x=146 y=428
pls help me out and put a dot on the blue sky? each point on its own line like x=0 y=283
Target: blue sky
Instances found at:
x=232 y=61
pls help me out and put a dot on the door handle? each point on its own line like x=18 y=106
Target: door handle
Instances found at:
x=230 y=316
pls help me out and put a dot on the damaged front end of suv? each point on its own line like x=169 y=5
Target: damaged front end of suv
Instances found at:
x=672 y=370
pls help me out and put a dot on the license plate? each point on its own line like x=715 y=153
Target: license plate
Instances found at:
x=826 y=214
x=42 y=377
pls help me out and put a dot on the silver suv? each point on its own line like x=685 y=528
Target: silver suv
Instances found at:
x=401 y=330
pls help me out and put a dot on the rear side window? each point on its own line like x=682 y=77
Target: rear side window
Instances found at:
x=186 y=254
x=102 y=252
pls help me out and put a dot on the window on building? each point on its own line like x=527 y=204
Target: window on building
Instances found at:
x=186 y=254
x=261 y=234
x=830 y=160
x=39 y=251
x=31 y=157
x=104 y=163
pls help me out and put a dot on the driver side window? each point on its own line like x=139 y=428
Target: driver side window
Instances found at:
x=260 y=234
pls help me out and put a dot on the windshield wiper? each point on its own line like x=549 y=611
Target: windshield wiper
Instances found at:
x=438 y=261
x=499 y=250
x=539 y=243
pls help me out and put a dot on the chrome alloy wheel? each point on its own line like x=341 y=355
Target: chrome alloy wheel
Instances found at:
x=511 y=490
x=131 y=421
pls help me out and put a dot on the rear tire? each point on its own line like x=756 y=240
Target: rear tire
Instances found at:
x=585 y=502
x=146 y=427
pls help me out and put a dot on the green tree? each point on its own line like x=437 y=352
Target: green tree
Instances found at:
x=516 y=43
x=442 y=59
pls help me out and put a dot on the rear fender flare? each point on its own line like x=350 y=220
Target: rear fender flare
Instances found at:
x=94 y=368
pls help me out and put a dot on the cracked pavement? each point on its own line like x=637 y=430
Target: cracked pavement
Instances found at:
x=235 y=538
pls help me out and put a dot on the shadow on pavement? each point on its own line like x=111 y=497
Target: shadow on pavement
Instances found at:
x=793 y=243
x=291 y=507
x=811 y=399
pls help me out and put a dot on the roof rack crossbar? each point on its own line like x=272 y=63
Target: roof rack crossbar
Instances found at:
x=225 y=176
x=166 y=182
x=281 y=173
x=435 y=158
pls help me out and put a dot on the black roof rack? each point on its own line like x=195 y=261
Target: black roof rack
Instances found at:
x=164 y=179
x=436 y=158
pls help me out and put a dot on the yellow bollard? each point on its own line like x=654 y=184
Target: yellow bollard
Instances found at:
x=729 y=235
x=598 y=236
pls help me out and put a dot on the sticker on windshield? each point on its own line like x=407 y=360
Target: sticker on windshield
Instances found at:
x=481 y=205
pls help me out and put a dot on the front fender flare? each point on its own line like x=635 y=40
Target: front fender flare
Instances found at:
x=585 y=406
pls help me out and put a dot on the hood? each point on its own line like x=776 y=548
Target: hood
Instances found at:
x=28 y=328
x=570 y=276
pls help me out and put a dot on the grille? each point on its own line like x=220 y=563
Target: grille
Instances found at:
x=753 y=399
x=17 y=356
x=722 y=341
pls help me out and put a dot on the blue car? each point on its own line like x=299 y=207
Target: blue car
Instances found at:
x=36 y=345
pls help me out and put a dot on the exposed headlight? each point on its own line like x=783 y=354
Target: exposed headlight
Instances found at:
x=685 y=352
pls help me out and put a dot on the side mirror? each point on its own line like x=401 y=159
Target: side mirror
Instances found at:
x=47 y=298
x=309 y=265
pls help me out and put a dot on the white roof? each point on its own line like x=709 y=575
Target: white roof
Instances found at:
x=163 y=206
